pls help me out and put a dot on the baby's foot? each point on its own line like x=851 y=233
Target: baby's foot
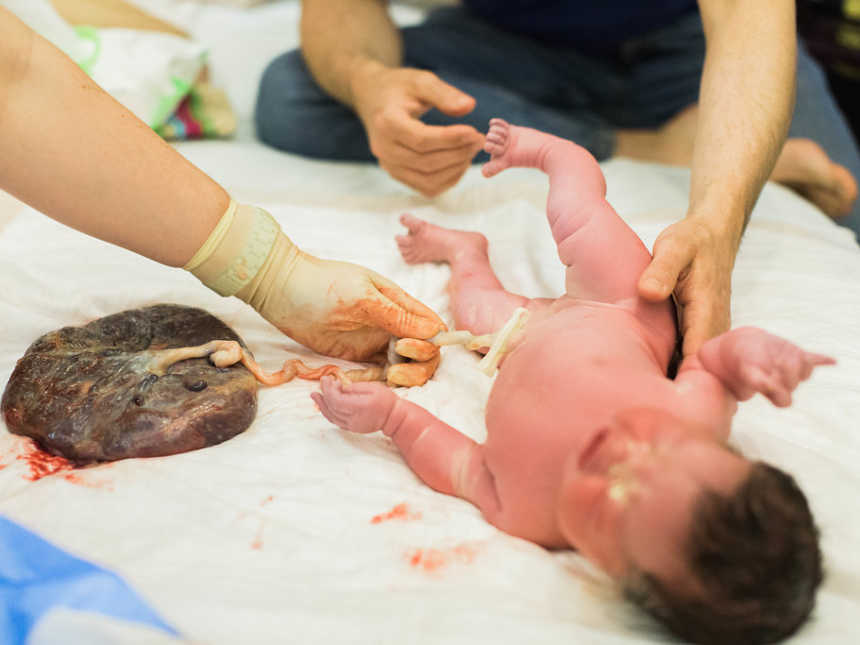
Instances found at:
x=498 y=144
x=427 y=242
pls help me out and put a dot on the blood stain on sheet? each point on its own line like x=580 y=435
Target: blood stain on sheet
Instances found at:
x=399 y=512
x=42 y=464
x=257 y=544
x=431 y=560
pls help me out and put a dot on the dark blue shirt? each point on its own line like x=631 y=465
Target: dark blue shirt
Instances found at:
x=589 y=25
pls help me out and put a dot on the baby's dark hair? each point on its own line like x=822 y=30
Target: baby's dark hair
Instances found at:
x=756 y=556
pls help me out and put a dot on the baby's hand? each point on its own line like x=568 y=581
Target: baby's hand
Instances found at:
x=357 y=407
x=749 y=360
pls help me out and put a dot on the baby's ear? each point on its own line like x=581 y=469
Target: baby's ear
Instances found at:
x=565 y=499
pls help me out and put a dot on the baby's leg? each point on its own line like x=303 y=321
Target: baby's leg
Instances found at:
x=603 y=256
x=479 y=302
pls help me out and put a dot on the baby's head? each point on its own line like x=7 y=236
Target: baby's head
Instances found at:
x=716 y=547
x=754 y=560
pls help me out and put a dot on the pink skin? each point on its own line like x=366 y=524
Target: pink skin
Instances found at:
x=589 y=444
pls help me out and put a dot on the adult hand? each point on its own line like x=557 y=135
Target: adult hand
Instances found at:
x=335 y=308
x=390 y=102
x=342 y=309
x=695 y=261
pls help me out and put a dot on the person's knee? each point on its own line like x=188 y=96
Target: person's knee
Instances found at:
x=294 y=114
x=282 y=115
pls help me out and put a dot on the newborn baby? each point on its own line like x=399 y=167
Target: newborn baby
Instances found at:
x=589 y=444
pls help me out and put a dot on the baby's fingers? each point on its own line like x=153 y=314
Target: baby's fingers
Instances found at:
x=769 y=384
x=335 y=400
x=811 y=361
x=324 y=408
x=819 y=359
x=778 y=394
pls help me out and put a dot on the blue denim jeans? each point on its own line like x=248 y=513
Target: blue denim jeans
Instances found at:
x=572 y=95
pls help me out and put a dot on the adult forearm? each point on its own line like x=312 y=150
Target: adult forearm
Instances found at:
x=74 y=153
x=745 y=106
x=342 y=39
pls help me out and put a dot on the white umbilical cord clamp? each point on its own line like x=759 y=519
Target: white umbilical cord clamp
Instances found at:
x=490 y=363
x=498 y=342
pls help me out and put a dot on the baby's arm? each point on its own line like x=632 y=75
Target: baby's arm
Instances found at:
x=444 y=458
x=747 y=360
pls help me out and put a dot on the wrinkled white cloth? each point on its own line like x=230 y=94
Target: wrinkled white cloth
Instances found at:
x=293 y=531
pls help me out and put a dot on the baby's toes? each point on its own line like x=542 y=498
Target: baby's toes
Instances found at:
x=493 y=148
x=407 y=247
x=497 y=136
x=414 y=224
x=499 y=125
x=494 y=166
x=775 y=388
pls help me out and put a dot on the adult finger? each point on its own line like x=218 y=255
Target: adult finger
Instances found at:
x=400 y=314
x=659 y=278
x=420 y=137
x=434 y=161
x=417 y=350
x=429 y=185
x=431 y=322
x=702 y=318
x=412 y=374
x=443 y=96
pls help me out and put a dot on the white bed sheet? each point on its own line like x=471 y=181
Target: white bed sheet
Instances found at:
x=270 y=537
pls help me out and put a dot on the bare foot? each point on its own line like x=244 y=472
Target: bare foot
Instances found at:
x=514 y=146
x=804 y=167
x=497 y=144
x=427 y=242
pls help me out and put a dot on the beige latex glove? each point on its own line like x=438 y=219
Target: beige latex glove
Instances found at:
x=335 y=308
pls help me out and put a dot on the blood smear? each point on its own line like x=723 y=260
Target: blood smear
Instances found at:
x=430 y=560
x=399 y=512
x=43 y=464
x=257 y=544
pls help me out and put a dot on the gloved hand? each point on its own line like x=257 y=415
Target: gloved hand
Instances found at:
x=335 y=308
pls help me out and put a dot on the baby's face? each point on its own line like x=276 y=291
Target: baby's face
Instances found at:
x=631 y=499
